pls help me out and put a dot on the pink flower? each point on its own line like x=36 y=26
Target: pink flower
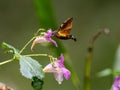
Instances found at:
x=45 y=38
x=58 y=69
x=116 y=84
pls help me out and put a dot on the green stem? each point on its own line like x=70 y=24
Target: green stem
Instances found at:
x=10 y=60
x=41 y=29
x=89 y=58
x=26 y=45
x=7 y=61
x=46 y=55
x=34 y=55
x=88 y=69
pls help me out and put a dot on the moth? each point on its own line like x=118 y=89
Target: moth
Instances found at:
x=63 y=32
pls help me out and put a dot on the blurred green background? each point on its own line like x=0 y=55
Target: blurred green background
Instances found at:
x=18 y=23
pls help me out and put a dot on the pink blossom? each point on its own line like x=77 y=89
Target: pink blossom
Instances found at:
x=116 y=84
x=58 y=69
x=45 y=38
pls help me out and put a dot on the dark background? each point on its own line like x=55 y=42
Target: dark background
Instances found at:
x=18 y=23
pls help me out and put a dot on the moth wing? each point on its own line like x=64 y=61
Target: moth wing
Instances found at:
x=65 y=27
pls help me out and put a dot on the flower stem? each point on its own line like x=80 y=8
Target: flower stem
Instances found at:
x=46 y=55
x=41 y=29
x=89 y=58
x=26 y=45
x=7 y=61
x=32 y=55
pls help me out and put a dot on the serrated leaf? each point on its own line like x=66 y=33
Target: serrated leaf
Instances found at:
x=37 y=84
x=10 y=48
x=30 y=68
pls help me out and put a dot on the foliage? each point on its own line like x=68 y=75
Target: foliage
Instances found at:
x=46 y=17
x=29 y=67
x=33 y=70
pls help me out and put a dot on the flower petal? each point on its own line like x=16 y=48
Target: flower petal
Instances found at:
x=38 y=40
x=53 y=41
x=62 y=58
x=61 y=61
x=116 y=85
x=48 y=37
x=48 y=68
x=116 y=88
x=58 y=77
x=58 y=69
x=49 y=33
x=45 y=38
x=66 y=73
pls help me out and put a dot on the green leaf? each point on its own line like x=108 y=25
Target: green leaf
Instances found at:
x=45 y=13
x=10 y=48
x=30 y=68
x=117 y=60
x=37 y=83
x=46 y=18
x=105 y=72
